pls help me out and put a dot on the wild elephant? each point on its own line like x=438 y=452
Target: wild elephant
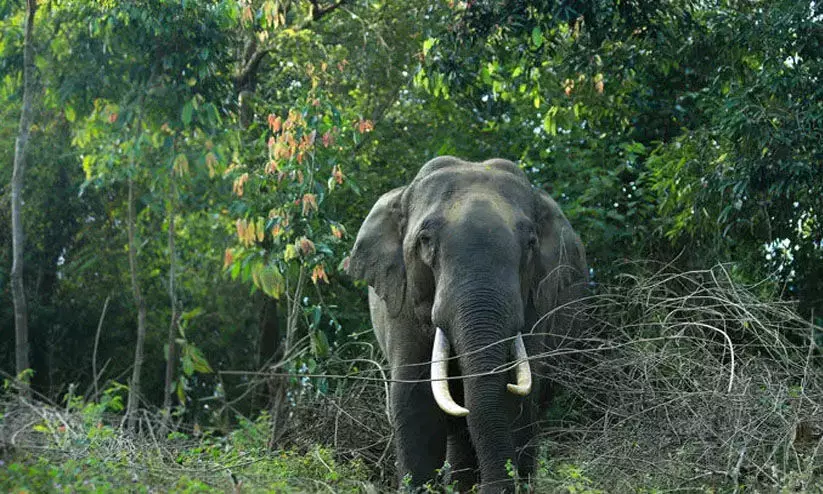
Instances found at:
x=470 y=270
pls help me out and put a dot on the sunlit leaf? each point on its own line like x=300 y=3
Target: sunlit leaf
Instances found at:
x=537 y=37
x=186 y=114
x=319 y=344
x=290 y=252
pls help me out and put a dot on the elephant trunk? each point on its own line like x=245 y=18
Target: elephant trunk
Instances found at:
x=485 y=320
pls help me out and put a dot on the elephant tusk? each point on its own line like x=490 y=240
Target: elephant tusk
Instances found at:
x=440 y=374
x=524 y=372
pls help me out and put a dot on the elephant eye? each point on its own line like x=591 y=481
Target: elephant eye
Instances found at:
x=425 y=240
x=425 y=244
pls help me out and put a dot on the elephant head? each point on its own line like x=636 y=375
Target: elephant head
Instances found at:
x=469 y=256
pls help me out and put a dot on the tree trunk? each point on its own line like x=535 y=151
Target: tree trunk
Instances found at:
x=269 y=332
x=134 y=387
x=278 y=385
x=95 y=376
x=21 y=323
x=172 y=354
x=268 y=345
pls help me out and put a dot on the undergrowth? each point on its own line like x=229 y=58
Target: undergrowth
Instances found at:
x=80 y=451
x=682 y=382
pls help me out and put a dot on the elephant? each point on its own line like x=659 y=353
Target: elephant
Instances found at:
x=461 y=263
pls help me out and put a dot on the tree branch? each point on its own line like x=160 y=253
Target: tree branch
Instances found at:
x=318 y=12
x=250 y=67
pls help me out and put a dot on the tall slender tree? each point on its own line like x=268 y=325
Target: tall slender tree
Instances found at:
x=140 y=302
x=21 y=322
x=171 y=357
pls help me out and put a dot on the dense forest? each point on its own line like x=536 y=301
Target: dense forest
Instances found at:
x=183 y=181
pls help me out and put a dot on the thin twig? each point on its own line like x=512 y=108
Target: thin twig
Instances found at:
x=96 y=341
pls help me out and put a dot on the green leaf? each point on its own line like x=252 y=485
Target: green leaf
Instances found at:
x=316 y=314
x=192 y=313
x=550 y=124
x=537 y=37
x=319 y=344
x=271 y=281
x=428 y=44
x=181 y=391
x=70 y=113
x=324 y=249
x=188 y=109
x=213 y=114
x=199 y=361
x=188 y=364
x=290 y=253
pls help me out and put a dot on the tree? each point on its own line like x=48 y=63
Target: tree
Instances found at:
x=21 y=323
x=158 y=113
x=139 y=301
x=747 y=184
x=663 y=127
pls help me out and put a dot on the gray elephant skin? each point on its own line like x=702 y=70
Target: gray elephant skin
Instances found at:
x=471 y=271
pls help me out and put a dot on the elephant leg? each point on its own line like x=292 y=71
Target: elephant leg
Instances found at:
x=526 y=439
x=460 y=454
x=419 y=426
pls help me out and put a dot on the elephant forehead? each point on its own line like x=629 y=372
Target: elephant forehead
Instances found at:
x=473 y=191
x=477 y=201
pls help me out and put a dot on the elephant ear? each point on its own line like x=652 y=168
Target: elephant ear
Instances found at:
x=562 y=273
x=377 y=256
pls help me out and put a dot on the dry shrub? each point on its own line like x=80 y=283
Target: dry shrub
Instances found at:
x=351 y=419
x=353 y=423
x=687 y=379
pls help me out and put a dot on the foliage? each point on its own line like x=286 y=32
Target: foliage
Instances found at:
x=289 y=471
x=749 y=175
x=284 y=229
x=660 y=127
x=567 y=478
x=683 y=132
x=686 y=380
x=568 y=110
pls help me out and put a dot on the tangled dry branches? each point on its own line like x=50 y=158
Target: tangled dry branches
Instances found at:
x=687 y=379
